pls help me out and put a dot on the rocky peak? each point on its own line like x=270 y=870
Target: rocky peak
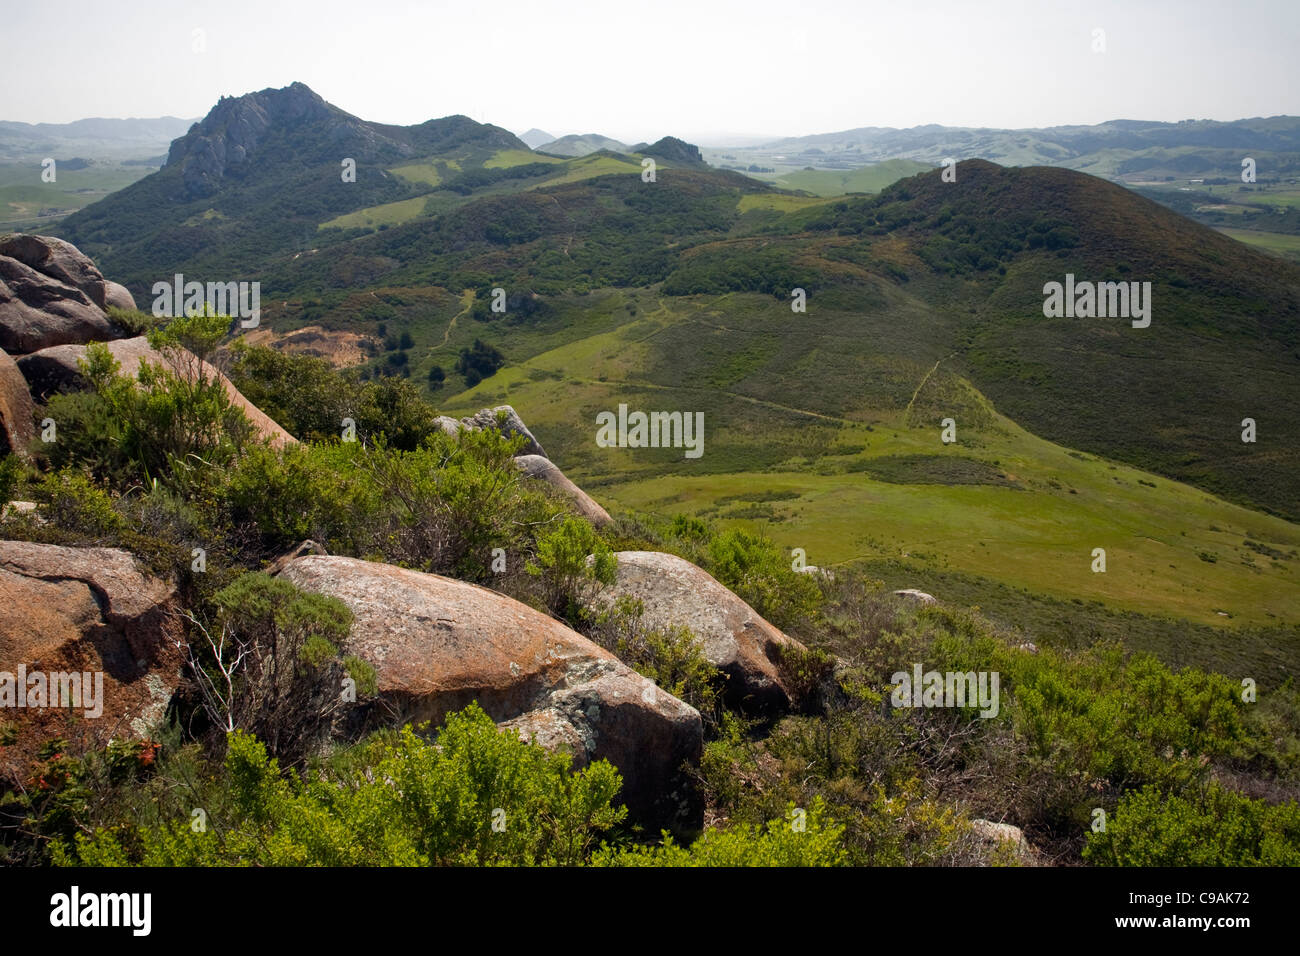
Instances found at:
x=674 y=150
x=238 y=126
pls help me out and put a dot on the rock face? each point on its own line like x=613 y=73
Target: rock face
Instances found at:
x=510 y=425
x=535 y=466
x=17 y=413
x=734 y=637
x=38 y=311
x=438 y=644
x=83 y=610
x=55 y=370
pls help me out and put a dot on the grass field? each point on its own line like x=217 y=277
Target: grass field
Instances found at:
x=778 y=202
x=830 y=483
x=837 y=182
x=27 y=203
x=390 y=214
x=587 y=167
x=1283 y=245
x=506 y=158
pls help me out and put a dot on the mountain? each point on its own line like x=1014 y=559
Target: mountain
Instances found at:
x=1193 y=145
x=93 y=138
x=927 y=293
x=672 y=149
x=929 y=283
x=575 y=145
x=536 y=137
x=258 y=175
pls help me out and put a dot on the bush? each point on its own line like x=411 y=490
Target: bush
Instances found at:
x=11 y=476
x=74 y=503
x=1212 y=827
x=672 y=657
x=479 y=362
x=761 y=574
x=569 y=581
x=133 y=320
x=478 y=796
x=810 y=838
x=173 y=420
x=269 y=663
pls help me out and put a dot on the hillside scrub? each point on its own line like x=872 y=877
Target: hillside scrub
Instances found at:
x=848 y=779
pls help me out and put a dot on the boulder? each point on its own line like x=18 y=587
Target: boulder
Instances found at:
x=56 y=370
x=438 y=644
x=38 y=311
x=118 y=297
x=59 y=260
x=920 y=597
x=17 y=412
x=733 y=636
x=448 y=425
x=14 y=509
x=85 y=611
x=995 y=835
x=535 y=466
x=510 y=424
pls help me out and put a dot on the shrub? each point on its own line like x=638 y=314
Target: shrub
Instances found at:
x=760 y=573
x=269 y=663
x=569 y=580
x=133 y=320
x=479 y=362
x=672 y=657
x=1210 y=827
x=11 y=476
x=74 y=503
x=167 y=424
x=478 y=796
x=810 y=838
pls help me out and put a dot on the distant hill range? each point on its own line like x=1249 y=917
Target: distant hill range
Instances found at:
x=584 y=145
x=92 y=138
x=536 y=137
x=1119 y=149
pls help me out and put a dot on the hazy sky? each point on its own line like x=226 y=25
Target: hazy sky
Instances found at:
x=705 y=70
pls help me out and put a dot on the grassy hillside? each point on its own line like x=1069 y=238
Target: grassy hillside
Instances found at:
x=875 y=481
x=835 y=182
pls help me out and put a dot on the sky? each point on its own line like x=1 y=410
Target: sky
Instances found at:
x=710 y=71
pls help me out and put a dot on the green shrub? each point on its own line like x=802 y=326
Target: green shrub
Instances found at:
x=568 y=580
x=11 y=476
x=133 y=320
x=801 y=838
x=75 y=503
x=478 y=796
x=1209 y=827
x=269 y=663
x=672 y=657
x=175 y=420
x=761 y=573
